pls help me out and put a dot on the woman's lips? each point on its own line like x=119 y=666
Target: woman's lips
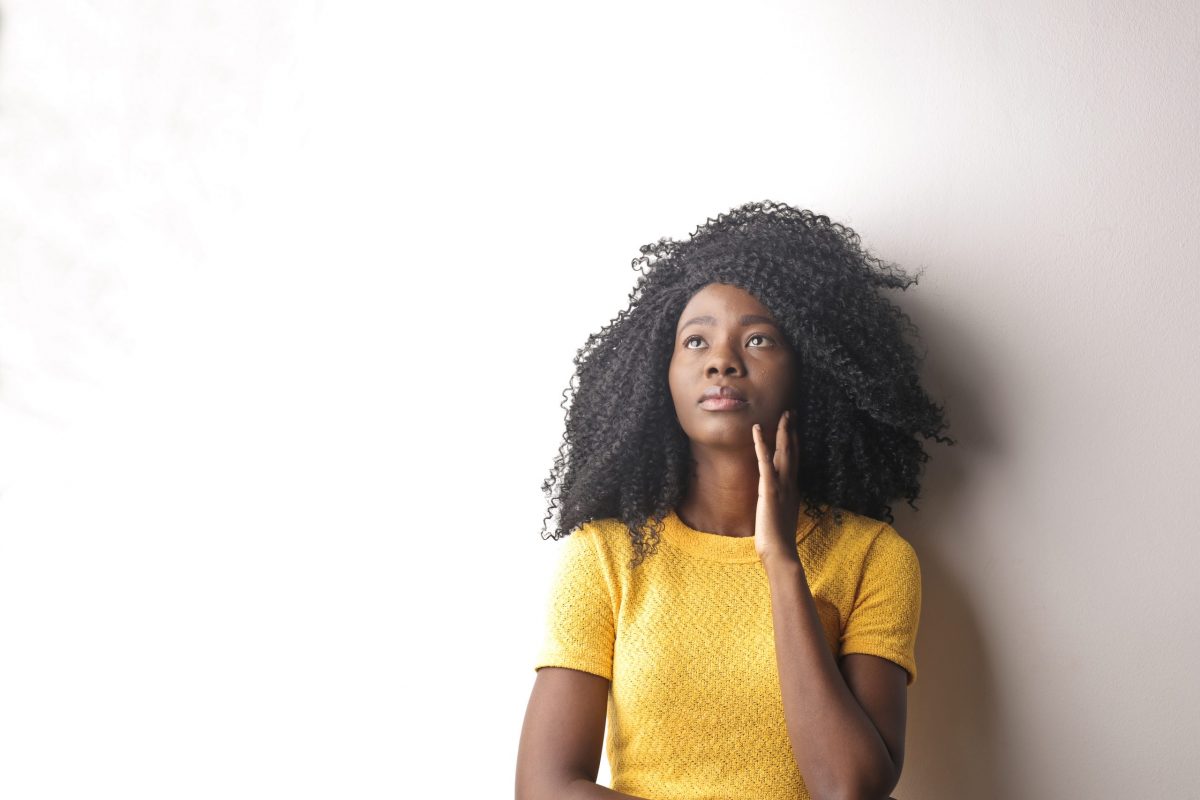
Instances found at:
x=723 y=404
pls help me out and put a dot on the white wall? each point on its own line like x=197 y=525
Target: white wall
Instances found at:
x=289 y=295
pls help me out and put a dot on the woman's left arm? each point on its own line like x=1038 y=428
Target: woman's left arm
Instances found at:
x=846 y=730
x=846 y=725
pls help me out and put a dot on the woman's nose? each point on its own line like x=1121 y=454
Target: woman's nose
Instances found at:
x=724 y=359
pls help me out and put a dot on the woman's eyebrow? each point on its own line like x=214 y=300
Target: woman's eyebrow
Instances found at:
x=747 y=319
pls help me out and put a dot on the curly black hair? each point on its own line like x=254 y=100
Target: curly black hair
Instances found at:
x=861 y=403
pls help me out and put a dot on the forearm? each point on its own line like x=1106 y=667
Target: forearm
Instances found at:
x=839 y=752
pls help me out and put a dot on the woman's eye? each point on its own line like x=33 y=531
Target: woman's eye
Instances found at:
x=691 y=339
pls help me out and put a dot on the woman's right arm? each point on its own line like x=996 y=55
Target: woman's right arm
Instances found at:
x=559 y=754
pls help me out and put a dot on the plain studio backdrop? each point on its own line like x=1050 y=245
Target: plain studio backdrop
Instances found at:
x=289 y=294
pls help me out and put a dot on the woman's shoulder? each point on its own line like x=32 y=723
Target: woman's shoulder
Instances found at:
x=608 y=534
x=858 y=534
x=865 y=552
x=610 y=539
x=599 y=535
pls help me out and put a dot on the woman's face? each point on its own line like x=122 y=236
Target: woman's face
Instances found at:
x=726 y=338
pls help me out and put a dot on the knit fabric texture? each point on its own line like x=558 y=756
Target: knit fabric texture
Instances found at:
x=687 y=641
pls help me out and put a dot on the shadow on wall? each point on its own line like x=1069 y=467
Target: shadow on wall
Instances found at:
x=954 y=739
x=954 y=720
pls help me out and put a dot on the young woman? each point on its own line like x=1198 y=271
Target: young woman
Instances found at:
x=732 y=598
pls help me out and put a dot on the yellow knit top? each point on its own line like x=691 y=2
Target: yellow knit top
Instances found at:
x=687 y=641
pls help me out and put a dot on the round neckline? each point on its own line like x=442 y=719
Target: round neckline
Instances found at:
x=719 y=547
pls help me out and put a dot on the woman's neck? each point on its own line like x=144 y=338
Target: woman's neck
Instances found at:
x=723 y=495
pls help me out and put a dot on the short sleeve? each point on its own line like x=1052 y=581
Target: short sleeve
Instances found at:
x=887 y=607
x=580 y=626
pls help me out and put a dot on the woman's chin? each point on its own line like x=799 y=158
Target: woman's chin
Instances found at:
x=732 y=431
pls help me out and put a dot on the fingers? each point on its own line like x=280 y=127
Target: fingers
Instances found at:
x=787 y=445
x=794 y=430
x=765 y=468
x=783 y=450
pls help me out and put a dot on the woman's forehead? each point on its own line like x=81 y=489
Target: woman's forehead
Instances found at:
x=716 y=302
